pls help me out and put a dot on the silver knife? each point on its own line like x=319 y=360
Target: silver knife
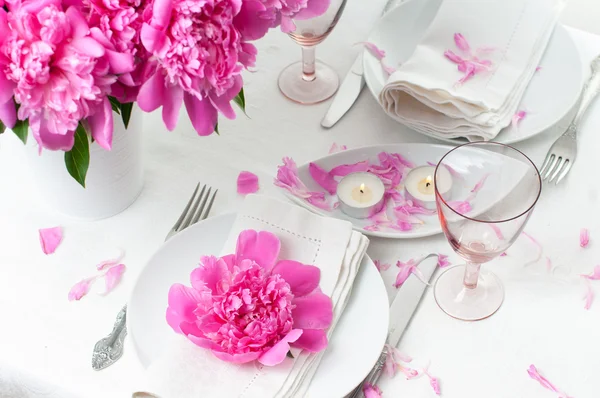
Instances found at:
x=351 y=86
x=401 y=311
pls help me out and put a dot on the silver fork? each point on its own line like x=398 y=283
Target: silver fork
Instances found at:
x=110 y=349
x=563 y=152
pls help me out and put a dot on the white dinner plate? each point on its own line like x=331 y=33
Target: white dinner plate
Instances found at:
x=550 y=98
x=419 y=154
x=355 y=344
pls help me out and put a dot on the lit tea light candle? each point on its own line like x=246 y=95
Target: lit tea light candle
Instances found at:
x=360 y=194
x=420 y=185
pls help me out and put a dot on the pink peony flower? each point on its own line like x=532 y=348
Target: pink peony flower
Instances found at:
x=248 y=306
x=56 y=71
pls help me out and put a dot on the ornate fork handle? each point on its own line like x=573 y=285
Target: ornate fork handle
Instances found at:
x=373 y=376
x=589 y=92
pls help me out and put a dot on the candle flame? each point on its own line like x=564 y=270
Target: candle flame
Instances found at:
x=362 y=188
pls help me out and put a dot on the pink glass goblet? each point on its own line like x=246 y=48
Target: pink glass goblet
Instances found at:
x=311 y=81
x=494 y=190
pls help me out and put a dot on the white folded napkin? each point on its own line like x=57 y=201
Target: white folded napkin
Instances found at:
x=513 y=34
x=330 y=244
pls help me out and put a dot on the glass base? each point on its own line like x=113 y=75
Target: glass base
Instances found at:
x=294 y=85
x=468 y=304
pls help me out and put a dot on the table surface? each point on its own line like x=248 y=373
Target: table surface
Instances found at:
x=542 y=320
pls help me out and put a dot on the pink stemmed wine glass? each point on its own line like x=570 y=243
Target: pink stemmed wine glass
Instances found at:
x=310 y=81
x=494 y=190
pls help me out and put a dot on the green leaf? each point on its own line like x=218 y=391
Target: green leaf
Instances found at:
x=2 y=127
x=217 y=129
x=240 y=100
x=77 y=159
x=126 y=113
x=21 y=129
x=116 y=105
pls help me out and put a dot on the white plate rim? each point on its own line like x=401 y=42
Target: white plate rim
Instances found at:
x=567 y=115
x=367 y=261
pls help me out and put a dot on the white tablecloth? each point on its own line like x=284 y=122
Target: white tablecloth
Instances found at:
x=542 y=320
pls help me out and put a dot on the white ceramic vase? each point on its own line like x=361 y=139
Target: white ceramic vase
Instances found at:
x=114 y=178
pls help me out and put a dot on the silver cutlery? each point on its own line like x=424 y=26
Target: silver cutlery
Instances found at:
x=563 y=152
x=352 y=85
x=401 y=311
x=110 y=349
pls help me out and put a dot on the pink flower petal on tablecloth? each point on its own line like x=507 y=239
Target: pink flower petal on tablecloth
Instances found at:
x=538 y=245
x=589 y=294
x=595 y=275
x=535 y=375
x=538 y=68
x=517 y=117
x=50 y=239
x=371 y=391
x=442 y=260
x=404 y=272
x=345 y=169
x=113 y=277
x=397 y=355
x=337 y=148
x=81 y=288
x=323 y=178
x=503 y=254
x=276 y=354
x=373 y=49
x=247 y=182
x=462 y=43
x=457 y=59
x=433 y=381
x=381 y=266
x=110 y=262
x=469 y=72
x=479 y=184
x=584 y=237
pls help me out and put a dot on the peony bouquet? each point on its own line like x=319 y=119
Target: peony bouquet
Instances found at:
x=66 y=67
x=249 y=306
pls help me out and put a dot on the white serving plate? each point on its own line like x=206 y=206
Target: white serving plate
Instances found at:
x=549 y=99
x=419 y=154
x=364 y=323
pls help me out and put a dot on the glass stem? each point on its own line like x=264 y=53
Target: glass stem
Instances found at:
x=471 y=275
x=308 y=63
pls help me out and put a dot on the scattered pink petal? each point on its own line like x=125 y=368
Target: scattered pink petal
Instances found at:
x=374 y=50
x=442 y=260
x=335 y=205
x=287 y=178
x=539 y=246
x=548 y=264
x=372 y=228
x=589 y=294
x=584 y=237
x=433 y=381
x=407 y=268
x=381 y=266
x=457 y=59
x=371 y=391
x=397 y=355
x=469 y=72
x=323 y=178
x=538 y=68
x=535 y=375
x=462 y=43
x=517 y=117
x=81 y=288
x=595 y=275
x=414 y=208
x=337 y=148
x=410 y=373
x=485 y=50
x=479 y=185
x=460 y=206
x=113 y=277
x=503 y=254
x=247 y=182
x=111 y=262
x=387 y=69
x=345 y=169
x=50 y=239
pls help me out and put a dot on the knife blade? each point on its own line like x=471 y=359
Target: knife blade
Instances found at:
x=401 y=311
x=352 y=84
x=347 y=93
